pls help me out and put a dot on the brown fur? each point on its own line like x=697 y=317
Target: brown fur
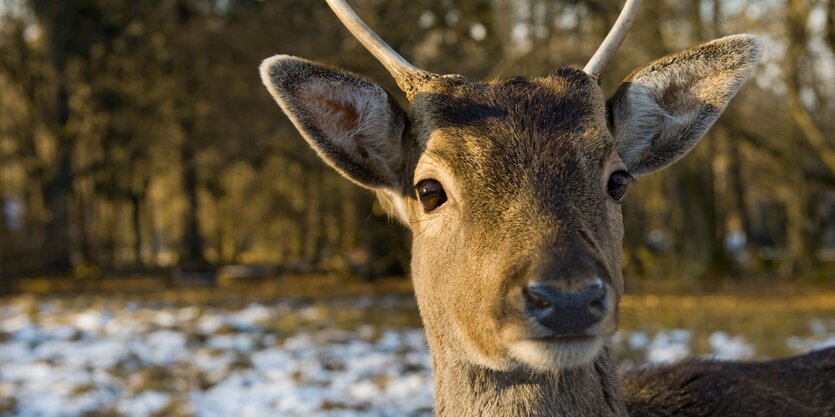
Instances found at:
x=802 y=386
x=524 y=163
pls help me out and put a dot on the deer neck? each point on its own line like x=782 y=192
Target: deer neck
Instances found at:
x=466 y=389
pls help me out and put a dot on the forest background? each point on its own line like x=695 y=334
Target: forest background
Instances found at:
x=136 y=136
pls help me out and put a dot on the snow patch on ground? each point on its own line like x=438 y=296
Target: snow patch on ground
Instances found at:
x=669 y=346
x=143 y=360
x=152 y=361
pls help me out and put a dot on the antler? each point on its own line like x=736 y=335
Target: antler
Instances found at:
x=613 y=40
x=407 y=76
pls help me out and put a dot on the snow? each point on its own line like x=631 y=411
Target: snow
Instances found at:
x=162 y=347
x=151 y=359
x=91 y=321
x=669 y=346
x=237 y=342
x=820 y=337
x=637 y=340
x=154 y=360
x=825 y=344
x=727 y=347
x=251 y=317
x=146 y=404
x=210 y=323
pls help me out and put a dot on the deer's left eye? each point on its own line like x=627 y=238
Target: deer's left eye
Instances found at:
x=617 y=185
x=431 y=194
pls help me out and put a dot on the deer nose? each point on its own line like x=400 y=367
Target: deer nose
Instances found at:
x=566 y=313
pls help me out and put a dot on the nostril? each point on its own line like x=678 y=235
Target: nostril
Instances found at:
x=566 y=313
x=536 y=297
x=595 y=291
x=597 y=297
x=597 y=307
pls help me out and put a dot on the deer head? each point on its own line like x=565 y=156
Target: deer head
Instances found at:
x=512 y=189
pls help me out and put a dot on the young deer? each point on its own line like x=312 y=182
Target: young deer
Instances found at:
x=512 y=191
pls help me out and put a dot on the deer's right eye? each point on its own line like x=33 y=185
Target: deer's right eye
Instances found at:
x=431 y=194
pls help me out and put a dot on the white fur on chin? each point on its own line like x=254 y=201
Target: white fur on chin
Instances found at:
x=552 y=356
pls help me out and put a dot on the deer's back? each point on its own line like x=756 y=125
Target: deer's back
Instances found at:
x=797 y=386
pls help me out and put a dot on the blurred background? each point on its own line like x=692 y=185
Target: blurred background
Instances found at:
x=170 y=246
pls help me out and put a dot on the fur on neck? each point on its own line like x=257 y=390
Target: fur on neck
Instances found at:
x=469 y=390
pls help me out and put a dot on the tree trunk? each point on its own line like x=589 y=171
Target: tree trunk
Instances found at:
x=57 y=191
x=737 y=182
x=56 y=19
x=696 y=20
x=717 y=19
x=86 y=246
x=797 y=17
x=313 y=218
x=798 y=257
x=136 y=221
x=720 y=264
x=192 y=251
x=830 y=24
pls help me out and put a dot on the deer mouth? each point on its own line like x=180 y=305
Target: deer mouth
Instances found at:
x=557 y=352
x=567 y=339
x=554 y=327
x=540 y=348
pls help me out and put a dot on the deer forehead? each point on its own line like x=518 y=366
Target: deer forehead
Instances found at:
x=534 y=145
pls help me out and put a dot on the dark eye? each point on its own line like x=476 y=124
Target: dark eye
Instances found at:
x=618 y=182
x=431 y=194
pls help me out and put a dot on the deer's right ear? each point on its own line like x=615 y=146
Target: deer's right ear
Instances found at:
x=352 y=123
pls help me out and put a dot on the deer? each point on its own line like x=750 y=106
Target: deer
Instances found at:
x=512 y=191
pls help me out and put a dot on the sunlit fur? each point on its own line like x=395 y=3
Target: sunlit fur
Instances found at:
x=549 y=355
x=524 y=163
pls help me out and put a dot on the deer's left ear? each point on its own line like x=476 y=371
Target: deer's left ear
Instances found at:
x=661 y=111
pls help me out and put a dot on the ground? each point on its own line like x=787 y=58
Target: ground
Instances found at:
x=361 y=353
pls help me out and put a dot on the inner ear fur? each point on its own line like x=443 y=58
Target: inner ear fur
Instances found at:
x=352 y=123
x=661 y=111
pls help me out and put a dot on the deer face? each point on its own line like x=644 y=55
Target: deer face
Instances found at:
x=512 y=189
x=519 y=260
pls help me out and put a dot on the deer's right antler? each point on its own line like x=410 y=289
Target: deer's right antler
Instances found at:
x=407 y=76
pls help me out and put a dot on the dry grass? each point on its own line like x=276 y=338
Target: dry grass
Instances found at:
x=765 y=312
x=160 y=289
x=766 y=319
